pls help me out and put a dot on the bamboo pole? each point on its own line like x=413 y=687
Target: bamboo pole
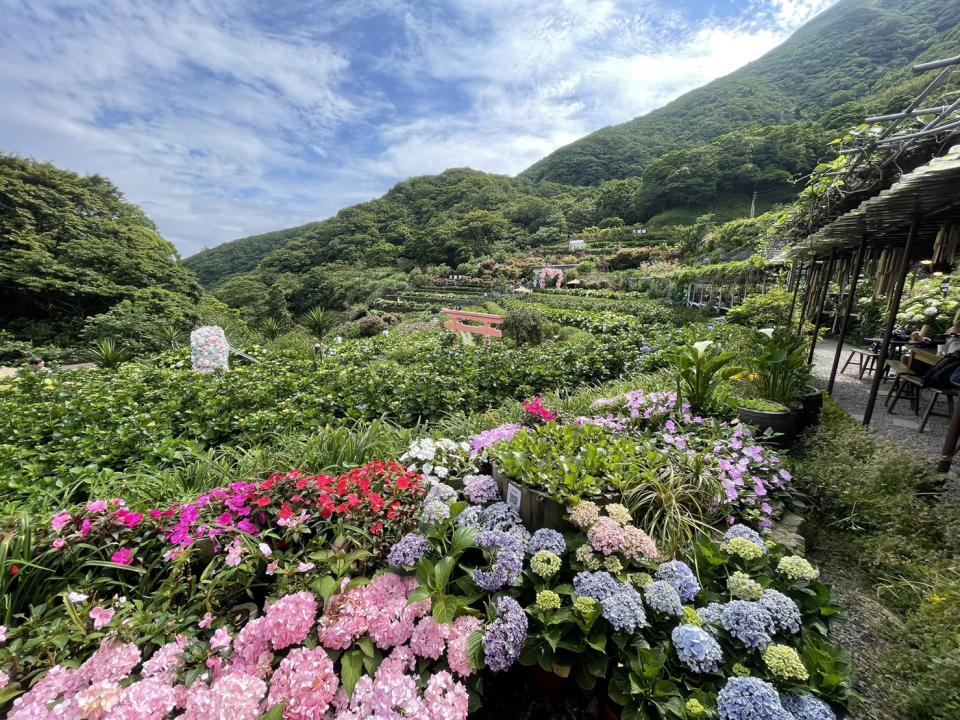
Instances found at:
x=851 y=299
x=823 y=301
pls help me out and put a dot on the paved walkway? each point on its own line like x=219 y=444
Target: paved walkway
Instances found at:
x=852 y=395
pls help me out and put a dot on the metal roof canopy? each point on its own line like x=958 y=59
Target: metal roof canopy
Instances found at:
x=932 y=191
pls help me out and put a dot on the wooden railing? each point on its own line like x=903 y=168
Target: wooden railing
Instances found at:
x=483 y=324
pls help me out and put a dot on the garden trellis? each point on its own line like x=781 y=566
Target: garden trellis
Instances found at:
x=874 y=215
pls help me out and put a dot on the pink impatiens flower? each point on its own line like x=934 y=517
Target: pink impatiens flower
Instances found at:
x=60 y=520
x=59 y=544
x=220 y=639
x=206 y=622
x=124 y=556
x=101 y=617
x=97 y=506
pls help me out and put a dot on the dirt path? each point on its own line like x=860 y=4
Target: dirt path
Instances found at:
x=866 y=633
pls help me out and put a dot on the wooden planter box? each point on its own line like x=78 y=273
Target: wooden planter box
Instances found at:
x=537 y=509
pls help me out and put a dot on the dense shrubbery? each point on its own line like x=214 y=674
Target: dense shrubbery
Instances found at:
x=877 y=492
x=58 y=432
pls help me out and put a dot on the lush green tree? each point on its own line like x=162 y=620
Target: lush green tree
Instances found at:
x=71 y=247
x=150 y=321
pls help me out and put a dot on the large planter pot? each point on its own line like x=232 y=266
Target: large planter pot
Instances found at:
x=783 y=423
x=537 y=509
x=811 y=405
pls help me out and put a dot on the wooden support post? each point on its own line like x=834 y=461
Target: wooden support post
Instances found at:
x=950 y=441
x=823 y=300
x=851 y=300
x=811 y=275
x=798 y=275
x=893 y=309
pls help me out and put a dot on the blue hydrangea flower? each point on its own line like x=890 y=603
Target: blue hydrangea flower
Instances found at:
x=807 y=707
x=711 y=614
x=783 y=610
x=408 y=550
x=681 y=577
x=749 y=622
x=434 y=512
x=442 y=493
x=472 y=517
x=696 y=649
x=481 y=489
x=500 y=516
x=623 y=609
x=596 y=585
x=507 y=562
x=549 y=540
x=742 y=531
x=506 y=635
x=662 y=597
x=750 y=698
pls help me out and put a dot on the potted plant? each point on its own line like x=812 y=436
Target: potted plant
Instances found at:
x=767 y=415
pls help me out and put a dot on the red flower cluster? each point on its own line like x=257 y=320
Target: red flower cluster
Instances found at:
x=536 y=413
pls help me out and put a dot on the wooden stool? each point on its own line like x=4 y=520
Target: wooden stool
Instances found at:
x=899 y=370
x=865 y=360
x=937 y=392
x=913 y=384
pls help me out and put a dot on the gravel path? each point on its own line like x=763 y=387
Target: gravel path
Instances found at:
x=852 y=395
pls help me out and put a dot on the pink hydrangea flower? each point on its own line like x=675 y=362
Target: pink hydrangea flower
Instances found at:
x=446 y=698
x=111 y=662
x=606 y=536
x=4 y=679
x=101 y=617
x=637 y=544
x=429 y=638
x=290 y=619
x=97 y=700
x=166 y=661
x=306 y=682
x=234 y=695
x=457 y=657
x=220 y=639
x=148 y=699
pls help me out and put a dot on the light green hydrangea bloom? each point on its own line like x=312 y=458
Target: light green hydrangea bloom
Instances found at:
x=743 y=587
x=584 y=514
x=619 y=513
x=613 y=565
x=641 y=580
x=545 y=564
x=797 y=568
x=586 y=556
x=743 y=548
x=695 y=709
x=785 y=663
x=691 y=616
x=548 y=600
x=740 y=670
x=584 y=605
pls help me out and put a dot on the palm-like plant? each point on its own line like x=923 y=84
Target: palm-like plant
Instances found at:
x=780 y=371
x=318 y=322
x=271 y=328
x=172 y=336
x=700 y=371
x=106 y=354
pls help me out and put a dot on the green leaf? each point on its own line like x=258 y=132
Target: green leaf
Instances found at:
x=351 y=667
x=445 y=609
x=276 y=712
x=475 y=649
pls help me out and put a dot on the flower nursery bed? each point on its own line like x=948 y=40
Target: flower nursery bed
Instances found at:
x=414 y=589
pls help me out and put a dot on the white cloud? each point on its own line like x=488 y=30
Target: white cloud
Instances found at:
x=223 y=119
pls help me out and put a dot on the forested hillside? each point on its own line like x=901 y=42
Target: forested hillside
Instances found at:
x=239 y=256
x=844 y=54
x=72 y=250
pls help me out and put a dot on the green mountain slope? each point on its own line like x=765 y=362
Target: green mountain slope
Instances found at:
x=239 y=256
x=844 y=54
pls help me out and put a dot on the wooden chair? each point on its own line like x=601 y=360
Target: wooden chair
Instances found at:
x=912 y=384
x=937 y=392
x=866 y=361
x=899 y=369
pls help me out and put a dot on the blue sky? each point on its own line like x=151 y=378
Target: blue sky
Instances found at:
x=226 y=118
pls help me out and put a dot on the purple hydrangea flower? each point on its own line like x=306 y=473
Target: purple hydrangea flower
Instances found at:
x=783 y=611
x=749 y=622
x=481 y=489
x=623 y=609
x=471 y=517
x=696 y=649
x=681 y=577
x=807 y=707
x=742 y=531
x=506 y=635
x=504 y=433
x=500 y=516
x=749 y=698
x=711 y=614
x=596 y=585
x=408 y=550
x=507 y=562
x=440 y=492
x=662 y=597
x=547 y=539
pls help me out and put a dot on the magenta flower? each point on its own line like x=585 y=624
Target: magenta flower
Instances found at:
x=97 y=506
x=124 y=556
x=60 y=520
x=206 y=622
x=101 y=617
x=59 y=544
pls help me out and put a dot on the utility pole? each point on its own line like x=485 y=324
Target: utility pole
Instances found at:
x=753 y=204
